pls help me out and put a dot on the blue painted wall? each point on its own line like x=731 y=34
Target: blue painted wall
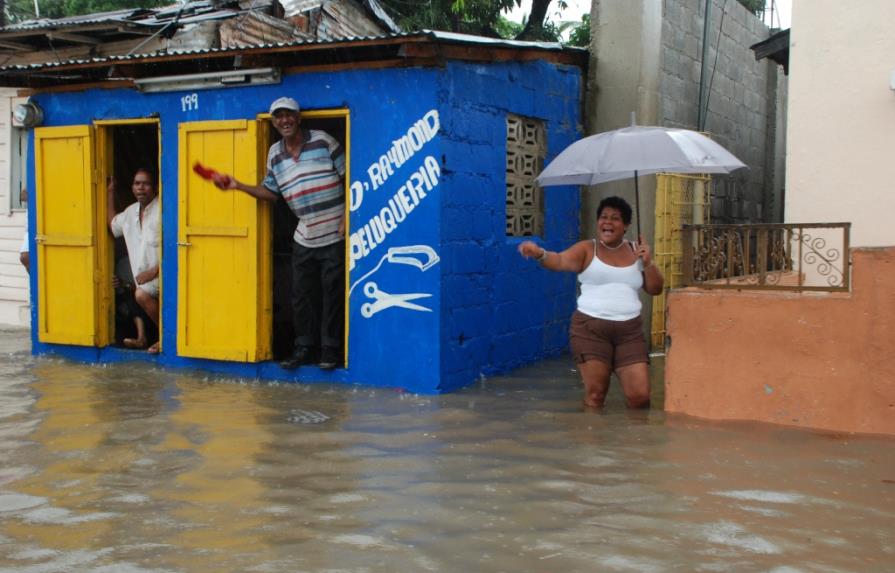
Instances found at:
x=427 y=216
x=499 y=310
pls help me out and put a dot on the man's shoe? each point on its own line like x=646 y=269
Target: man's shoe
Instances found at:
x=302 y=356
x=330 y=358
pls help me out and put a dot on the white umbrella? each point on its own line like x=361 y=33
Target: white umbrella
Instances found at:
x=633 y=151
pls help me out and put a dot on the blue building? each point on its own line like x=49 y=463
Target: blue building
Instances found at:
x=443 y=133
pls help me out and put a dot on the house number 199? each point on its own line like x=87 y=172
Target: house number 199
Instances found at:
x=189 y=102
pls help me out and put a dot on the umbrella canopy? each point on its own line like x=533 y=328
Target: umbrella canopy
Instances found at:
x=637 y=150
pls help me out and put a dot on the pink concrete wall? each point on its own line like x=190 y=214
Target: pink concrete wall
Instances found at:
x=818 y=360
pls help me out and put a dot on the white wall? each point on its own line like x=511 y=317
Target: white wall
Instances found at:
x=841 y=126
x=13 y=278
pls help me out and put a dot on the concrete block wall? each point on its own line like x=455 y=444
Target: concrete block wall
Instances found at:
x=498 y=310
x=743 y=98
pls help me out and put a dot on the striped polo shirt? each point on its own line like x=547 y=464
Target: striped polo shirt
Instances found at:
x=311 y=185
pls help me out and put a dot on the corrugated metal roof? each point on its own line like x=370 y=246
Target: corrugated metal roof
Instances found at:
x=417 y=48
x=483 y=41
x=133 y=16
x=97 y=18
x=98 y=36
x=254 y=29
x=343 y=19
x=386 y=20
x=465 y=39
x=293 y=7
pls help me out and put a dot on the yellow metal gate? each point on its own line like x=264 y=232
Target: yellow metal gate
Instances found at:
x=680 y=200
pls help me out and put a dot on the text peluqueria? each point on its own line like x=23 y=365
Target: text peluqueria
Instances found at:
x=401 y=204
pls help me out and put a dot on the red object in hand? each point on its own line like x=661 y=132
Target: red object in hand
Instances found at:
x=220 y=181
x=202 y=171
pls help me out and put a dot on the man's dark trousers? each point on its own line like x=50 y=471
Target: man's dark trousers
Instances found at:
x=318 y=295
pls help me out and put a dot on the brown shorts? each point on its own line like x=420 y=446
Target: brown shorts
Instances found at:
x=617 y=343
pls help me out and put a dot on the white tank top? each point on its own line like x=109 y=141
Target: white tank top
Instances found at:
x=610 y=293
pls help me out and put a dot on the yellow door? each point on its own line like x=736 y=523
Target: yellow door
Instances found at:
x=224 y=287
x=72 y=278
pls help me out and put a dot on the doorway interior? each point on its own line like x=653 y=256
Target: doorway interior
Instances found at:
x=283 y=227
x=128 y=147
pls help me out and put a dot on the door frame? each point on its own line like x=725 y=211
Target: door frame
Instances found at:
x=343 y=113
x=104 y=157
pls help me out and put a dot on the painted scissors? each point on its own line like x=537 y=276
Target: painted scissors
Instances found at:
x=383 y=300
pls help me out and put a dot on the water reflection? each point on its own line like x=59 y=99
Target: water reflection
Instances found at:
x=135 y=469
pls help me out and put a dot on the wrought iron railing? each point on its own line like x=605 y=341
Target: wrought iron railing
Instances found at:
x=800 y=257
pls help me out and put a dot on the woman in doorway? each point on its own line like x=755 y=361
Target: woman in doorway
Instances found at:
x=606 y=333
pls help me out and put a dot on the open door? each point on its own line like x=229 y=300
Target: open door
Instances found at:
x=73 y=308
x=224 y=276
x=123 y=147
x=335 y=122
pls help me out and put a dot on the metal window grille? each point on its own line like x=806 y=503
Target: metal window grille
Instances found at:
x=526 y=149
x=790 y=256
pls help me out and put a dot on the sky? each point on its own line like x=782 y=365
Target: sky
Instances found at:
x=577 y=8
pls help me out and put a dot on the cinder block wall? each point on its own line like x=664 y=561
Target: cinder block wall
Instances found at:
x=498 y=310
x=743 y=100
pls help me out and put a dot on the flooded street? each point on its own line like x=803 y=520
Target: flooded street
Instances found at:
x=130 y=468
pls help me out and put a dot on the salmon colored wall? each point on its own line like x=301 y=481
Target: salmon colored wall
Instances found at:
x=817 y=360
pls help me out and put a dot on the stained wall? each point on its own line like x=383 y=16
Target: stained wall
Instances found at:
x=815 y=360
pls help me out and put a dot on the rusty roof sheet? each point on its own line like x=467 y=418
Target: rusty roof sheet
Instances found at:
x=136 y=16
x=97 y=18
x=105 y=28
x=68 y=40
x=190 y=11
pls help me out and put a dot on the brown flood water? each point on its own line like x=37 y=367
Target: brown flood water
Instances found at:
x=133 y=469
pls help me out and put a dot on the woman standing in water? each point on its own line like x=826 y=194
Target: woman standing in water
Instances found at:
x=606 y=334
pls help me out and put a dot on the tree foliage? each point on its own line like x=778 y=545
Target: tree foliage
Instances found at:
x=755 y=6
x=481 y=17
x=485 y=17
x=580 y=32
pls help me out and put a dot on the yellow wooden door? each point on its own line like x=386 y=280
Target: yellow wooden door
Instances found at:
x=73 y=285
x=224 y=297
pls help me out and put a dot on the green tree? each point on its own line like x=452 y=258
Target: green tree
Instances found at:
x=484 y=17
x=507 y=28
x=754 y=6
x=580 y=34
x=481 y=17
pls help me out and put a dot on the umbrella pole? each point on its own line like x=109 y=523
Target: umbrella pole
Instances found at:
x=637 y=203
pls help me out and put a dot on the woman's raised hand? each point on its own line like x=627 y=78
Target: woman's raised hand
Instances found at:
x=643 y=252
x=530 y=249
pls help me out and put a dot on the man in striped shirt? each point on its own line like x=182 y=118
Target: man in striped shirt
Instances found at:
x=306 y=168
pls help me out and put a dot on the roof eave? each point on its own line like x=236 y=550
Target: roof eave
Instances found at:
x=419 y=48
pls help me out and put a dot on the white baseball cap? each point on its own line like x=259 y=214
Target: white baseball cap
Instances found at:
x=285 y=103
